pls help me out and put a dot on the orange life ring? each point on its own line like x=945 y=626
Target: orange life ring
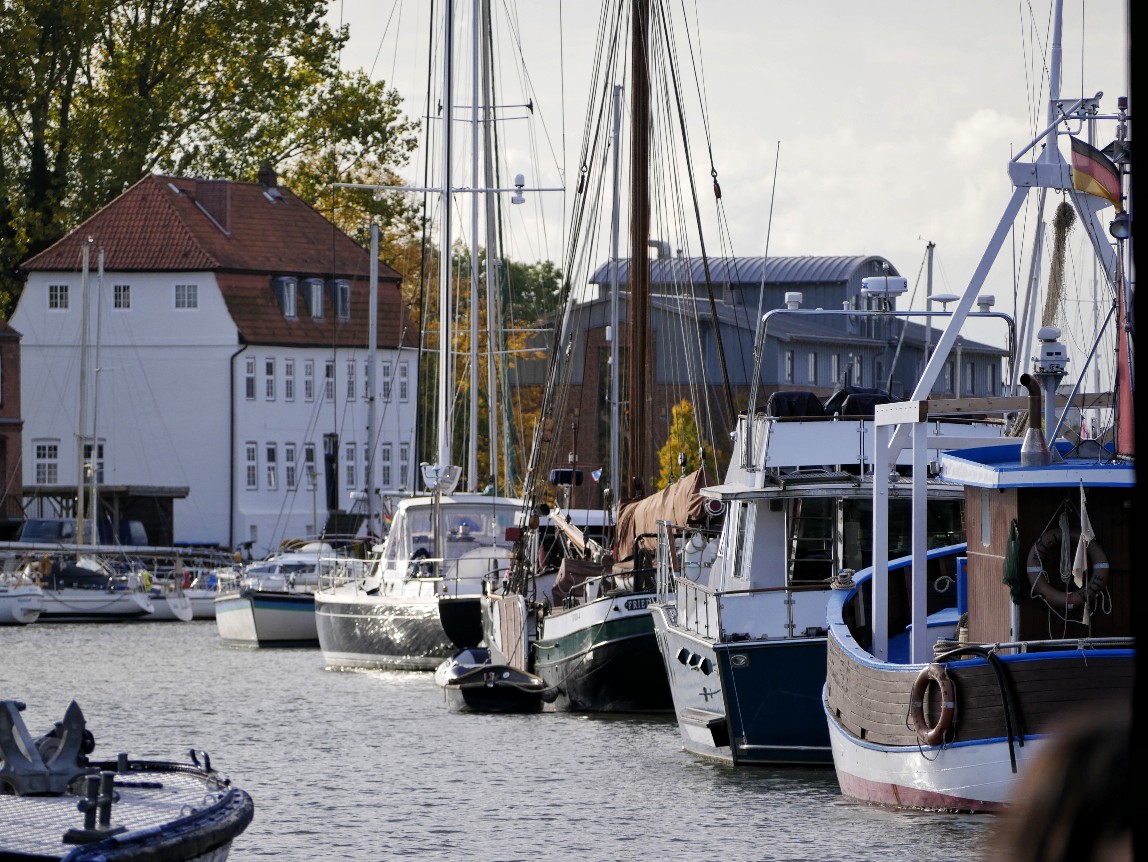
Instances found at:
x=931 y=673
x=1097 y=580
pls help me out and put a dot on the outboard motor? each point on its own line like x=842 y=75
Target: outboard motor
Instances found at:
x=1034 y=449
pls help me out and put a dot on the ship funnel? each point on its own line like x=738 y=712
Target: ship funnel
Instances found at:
x=1034 y=449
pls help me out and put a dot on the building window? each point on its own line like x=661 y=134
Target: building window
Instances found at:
x=285 y=292
x=351 y=379
x=58 y=297
x=329 y=381
x=269 y=379
x=122 y=296
x=970 y=386
x=994 y=380
x=386 y=390
x=404 y=376
x=404 y=464
x=252 y=466
x=309 y=379
x=349 y=458
x=858 y=371
x=289 y=465
x=289 y=379
x=788 y=366
x=249 y=379
x=47 y=461
x=812 y=370
x=385 y=456
x=343 y=298
x=99 y=462
x=367 y=380
x=314 y=288
x=949 y=377
x=368 y=467
x=272 y=467
x=835 y=368
x=878 y=372
x=309 y=466
x=187 y=296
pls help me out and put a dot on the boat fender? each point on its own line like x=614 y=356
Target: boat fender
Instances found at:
x=931 y=673
x=1097 y=581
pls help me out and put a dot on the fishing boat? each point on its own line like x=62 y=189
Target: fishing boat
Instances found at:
x=57 y=803
x=472 y=683
x=740 y=611
x=21 y=600
x=271 y=602
x=1045 y=602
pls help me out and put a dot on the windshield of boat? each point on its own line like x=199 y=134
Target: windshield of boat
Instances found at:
x=463 y=527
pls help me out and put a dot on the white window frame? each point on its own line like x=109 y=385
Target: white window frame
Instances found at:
x=269 y=379
x=387 y=480
x=289 y=466
x=386 y=381
x=186 y=297
x=309 y=380
x=329 y=380
x=121 y=297
x=404 y=382
x=350 y=463
x=812 y=369
x=290 y=299
x=99 y=465
x=309 y=466
x=315 y=297
x=288 y=379
x=249 y=378
x=351 y=390
x=272 y=451
x=834 y=368
x=252 y=467
x=787 y=373
x=58 y=299
x=404 y=465
x=46 y=456
x=343 y=298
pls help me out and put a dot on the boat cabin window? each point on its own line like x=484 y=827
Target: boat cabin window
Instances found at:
x=945 y=527
x=812 y=539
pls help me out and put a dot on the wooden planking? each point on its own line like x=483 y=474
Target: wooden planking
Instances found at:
x=876 y=701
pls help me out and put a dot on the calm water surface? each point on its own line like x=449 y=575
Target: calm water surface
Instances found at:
x=372 y=765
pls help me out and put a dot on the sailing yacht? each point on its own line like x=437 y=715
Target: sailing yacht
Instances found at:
x=418 y=601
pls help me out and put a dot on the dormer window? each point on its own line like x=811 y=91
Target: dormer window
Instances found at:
x=285 y=294
x=343 y=298
x=313 y=295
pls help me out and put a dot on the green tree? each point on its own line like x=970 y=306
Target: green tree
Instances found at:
x=685 y=443
x=535 y=289
x=97 y=93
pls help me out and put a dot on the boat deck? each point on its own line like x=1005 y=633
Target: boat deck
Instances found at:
x=35 y=825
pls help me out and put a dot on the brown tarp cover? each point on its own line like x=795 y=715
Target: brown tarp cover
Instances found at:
x=572 y=576
x=681 y=503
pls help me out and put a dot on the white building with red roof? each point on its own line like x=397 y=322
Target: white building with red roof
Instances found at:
x=227 y=346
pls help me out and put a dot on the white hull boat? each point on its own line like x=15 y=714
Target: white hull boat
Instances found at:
x=21 y=602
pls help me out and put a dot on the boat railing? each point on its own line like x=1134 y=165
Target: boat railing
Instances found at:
x=955 y=651
x=683 y=552
x=465 y=575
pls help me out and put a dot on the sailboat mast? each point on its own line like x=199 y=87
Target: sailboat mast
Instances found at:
x=445 y=226
x=93 y=487
x=472 y=448
x=493 y=330
x=615 y=372
x=85 y=257
x=372 y=354
x=639 y=238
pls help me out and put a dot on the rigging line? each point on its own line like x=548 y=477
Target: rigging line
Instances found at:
x=701 y=239
x=382 y=38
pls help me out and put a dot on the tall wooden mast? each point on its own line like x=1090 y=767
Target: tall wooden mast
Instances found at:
x=639 y=248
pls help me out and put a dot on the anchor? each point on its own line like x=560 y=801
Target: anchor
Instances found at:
x=46 y=766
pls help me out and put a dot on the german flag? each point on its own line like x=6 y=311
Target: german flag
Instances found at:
x=1094 y=173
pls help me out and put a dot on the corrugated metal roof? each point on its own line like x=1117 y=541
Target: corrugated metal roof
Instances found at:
x=806 y=269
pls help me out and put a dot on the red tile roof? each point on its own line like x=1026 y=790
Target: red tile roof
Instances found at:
x=247 y=234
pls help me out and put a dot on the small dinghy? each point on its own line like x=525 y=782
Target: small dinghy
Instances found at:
x=473 y=684
x=57 y=804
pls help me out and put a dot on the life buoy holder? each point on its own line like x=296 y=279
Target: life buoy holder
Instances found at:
x=931 y=673
x=1097 y=564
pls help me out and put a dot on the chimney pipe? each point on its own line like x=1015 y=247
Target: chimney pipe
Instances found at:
x=1034 y=449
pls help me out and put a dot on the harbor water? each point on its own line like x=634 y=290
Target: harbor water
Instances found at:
x=372 y=765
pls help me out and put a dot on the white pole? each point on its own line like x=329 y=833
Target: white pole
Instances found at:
x=372 y=362
x=82 y=420
x=472 y=449
x=445 y=375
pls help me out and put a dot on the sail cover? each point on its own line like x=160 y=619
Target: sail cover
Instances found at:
x=680 y=503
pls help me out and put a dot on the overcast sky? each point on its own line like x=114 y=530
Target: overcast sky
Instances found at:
x=895 y=119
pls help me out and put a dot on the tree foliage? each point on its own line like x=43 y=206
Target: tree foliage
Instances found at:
x=683 y=443
x=97 y=93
